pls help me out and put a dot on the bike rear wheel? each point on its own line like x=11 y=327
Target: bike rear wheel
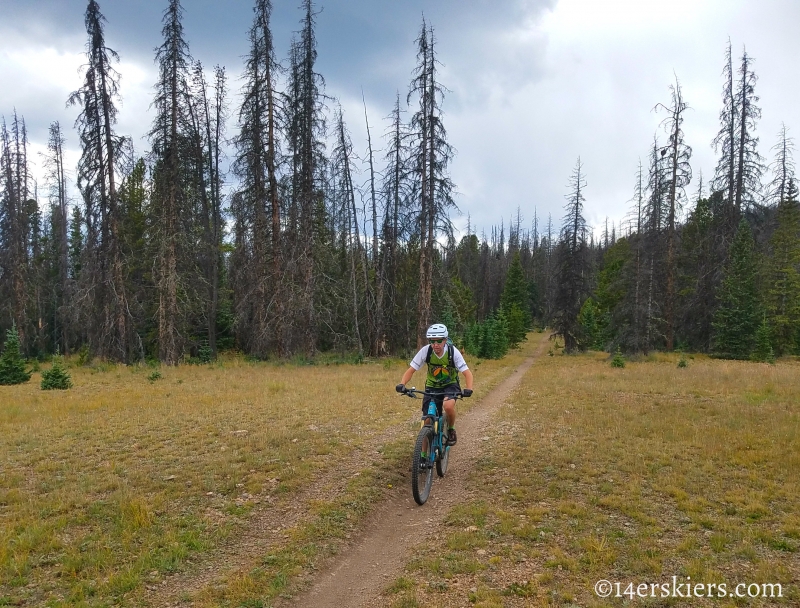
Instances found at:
x=421 y=469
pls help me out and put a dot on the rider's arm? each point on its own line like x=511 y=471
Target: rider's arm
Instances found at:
x=407 y=376
x=467 y=378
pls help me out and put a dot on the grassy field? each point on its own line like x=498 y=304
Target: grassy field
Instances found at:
x=633 y=475
x=107 y=488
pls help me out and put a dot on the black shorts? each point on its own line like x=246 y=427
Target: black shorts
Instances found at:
x=439 y=395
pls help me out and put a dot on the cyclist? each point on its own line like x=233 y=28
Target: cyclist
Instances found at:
x=444 y=363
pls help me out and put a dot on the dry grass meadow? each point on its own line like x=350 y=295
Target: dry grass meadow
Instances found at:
x=631 y=475
x=112 y=486
x=590 y=472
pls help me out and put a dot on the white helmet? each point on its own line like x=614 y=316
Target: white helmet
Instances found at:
x=437 y=330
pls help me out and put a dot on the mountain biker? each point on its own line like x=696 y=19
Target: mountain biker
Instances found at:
x=444 y=363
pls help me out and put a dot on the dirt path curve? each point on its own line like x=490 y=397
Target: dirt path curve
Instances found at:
x=360 y=573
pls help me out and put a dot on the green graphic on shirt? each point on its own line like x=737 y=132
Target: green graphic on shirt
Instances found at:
x=441 y=372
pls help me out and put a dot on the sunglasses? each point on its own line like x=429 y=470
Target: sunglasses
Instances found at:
x=440 y=341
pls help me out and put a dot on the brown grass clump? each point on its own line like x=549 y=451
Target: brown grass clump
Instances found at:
x=631 y=475
x=115 y=484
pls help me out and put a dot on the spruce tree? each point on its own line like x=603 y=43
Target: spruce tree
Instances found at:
x=169 y=204
x=763 y=349
x=737 y=318
x=573 y=265
x=12 y=365
x=56 y=378
x=106 y=303
x=514 y=302
x=783 y=278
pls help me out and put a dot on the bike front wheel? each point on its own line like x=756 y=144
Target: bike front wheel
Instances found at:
x=444 y=456
x=421 y=468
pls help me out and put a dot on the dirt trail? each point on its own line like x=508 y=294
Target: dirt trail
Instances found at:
x=361 y=572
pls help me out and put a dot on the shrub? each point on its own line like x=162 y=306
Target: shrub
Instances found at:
x=12 y=365
x=56 y=378
x=682 y=362
x=155 y=375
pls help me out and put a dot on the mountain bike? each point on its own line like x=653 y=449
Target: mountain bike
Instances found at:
x=431 y=449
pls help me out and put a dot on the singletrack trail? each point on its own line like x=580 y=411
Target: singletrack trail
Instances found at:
x=358 y=575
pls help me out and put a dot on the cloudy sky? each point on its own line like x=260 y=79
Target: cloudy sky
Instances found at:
x=533 y=84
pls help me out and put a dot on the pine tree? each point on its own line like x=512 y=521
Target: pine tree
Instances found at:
x=306 y=211
x=783 y=274
x=737 y=318
x=54 y=162
x=763 y=346
x=514 y=302
x=782 y=167
x=15 y=234
x=725 y=141
x=678 y=175
x=110 y=328
x=431 y=157
x=257 y=162
x=56 y=378
x=572 y=260
x=170 y=180
x=12 y=365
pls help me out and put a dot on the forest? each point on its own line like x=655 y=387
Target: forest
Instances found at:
x=244 y=226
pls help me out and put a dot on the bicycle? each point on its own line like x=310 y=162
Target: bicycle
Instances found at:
x=431 y=449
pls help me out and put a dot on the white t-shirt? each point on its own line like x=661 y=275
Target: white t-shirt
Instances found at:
x=458 y=359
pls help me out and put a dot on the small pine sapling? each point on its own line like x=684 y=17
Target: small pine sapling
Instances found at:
x=763 y=350
x=204 y=353
x=56 y=378
x=12 y=365
x=618 y=360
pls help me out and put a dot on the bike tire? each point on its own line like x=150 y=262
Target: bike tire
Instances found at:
x=444 y=457
x=421 y=471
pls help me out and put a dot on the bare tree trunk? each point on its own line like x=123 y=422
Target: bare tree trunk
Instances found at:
x=377 y=317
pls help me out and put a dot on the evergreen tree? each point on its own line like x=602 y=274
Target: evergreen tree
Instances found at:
x=678 y=174
x=782 y=167
x=306 y=210
x=514 y=302
x=737 y=318
x=110 y=326
x=431 y=157
x=56 y=378
x=258 y=159
x=15 y=234
x=170 y=153
x=572 y=260
x=783 y=274
x=12 y=365
x=763 y=346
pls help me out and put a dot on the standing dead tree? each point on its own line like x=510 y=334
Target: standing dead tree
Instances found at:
x=111 y=326
x=431 y=157
x=679 y=174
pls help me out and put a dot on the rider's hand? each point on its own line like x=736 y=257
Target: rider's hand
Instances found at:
x=467 y=392
x=401 y=388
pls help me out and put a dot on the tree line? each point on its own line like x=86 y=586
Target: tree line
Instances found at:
x=724 y=279
x=293 y=250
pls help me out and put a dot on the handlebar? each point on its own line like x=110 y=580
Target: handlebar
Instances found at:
x=415 y=393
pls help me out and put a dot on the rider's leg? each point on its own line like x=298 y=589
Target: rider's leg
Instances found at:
x=450 y=411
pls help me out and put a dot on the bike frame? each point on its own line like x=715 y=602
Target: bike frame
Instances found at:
x=432 y=417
